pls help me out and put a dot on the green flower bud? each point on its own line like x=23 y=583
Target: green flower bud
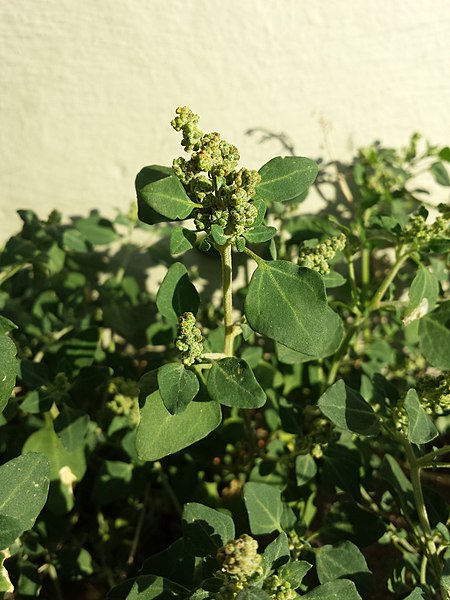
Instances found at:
x=189 y=339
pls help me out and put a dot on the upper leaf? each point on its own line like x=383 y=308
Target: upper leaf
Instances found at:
x=434 y=335
x=286 y=178
x=288 y=304
x=348 y=410
x=232 y=383
x=8 y=369
x=264 y=507
x=334 y=590
x=159 y=433
x=177 y=294
x=177 y=386
x=205 y=529
x=421 y=428
x=159 y=190
x=24 y=485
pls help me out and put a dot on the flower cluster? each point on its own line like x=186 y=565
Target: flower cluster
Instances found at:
x=434 y=393
x=210 y=179
x=125 y=398
x=240 y=565
x=418 y=232
x=189 y=339
x=318 y=257
x=279 y=589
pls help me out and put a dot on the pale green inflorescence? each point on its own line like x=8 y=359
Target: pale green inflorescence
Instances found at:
x=319 y=256
x=279 y=589
x=240 y=565
x=210 y=178
x=418 y=232
x=189 y=339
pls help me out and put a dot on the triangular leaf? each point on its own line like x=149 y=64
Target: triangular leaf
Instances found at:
x=232 y=383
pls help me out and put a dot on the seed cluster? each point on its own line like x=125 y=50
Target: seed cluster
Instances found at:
x=418 y=232
x=279 y=589
x=210 y=178
x=319 y=256
x=189 y=339
x=240 y=565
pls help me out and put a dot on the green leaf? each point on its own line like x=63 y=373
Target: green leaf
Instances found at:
x=416 y=594
x=218 y=235
x=305 y=469
x=159 y=189
x=421 y=428
x=333 y=279
x=444 y=154
x=260 y=234
x=6 y=325
x=96 y=229
x=343 y=561
x=232 y=383
x=348 y=410
x=159 y=433
x=264 y=506
x=285 y=178
x=440 y=174
x=288 y=304
x=177 y=294
x=24 y=485
x=205 y=529
x=276 y=554
x=177 y=386
x=148 y=587
x=182 y=240
x=399 y=484
x=334 y=590
x=294 y=572
x=71 y=426
x=434 y=336
x=8 y=369
x=423 y=294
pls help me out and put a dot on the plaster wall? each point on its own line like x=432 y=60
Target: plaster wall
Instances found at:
x=88 y=87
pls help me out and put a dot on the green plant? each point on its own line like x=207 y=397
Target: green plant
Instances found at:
x=287 y=438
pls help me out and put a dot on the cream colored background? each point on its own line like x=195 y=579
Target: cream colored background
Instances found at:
x=88 y=87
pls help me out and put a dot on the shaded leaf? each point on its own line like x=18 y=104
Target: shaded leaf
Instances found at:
x=232 y=383
x=177 y=386
x=182 y=240
x=421 y=428
x=205 y=529
x=177 y=294
x=434 y=336
x=264 y=506
x=334 y=590
x=8 y=369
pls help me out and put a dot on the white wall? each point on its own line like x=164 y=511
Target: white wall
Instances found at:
x=88 y=87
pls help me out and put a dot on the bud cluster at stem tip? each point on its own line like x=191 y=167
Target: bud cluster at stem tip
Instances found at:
x=317 y=257
x=210 y=178
x=189 y=339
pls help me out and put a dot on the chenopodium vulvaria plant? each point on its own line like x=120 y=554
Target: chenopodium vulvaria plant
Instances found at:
x=285 y=302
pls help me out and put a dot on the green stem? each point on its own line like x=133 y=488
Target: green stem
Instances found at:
x=365 y=256
x=419 y=501
x=352 y=279
x=226 y=258
x=167 y=487
x=427 y=460
x=342 y=350
x=379 y=294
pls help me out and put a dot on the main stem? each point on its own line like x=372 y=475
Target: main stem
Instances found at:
x=226 y=257
x=421 y=510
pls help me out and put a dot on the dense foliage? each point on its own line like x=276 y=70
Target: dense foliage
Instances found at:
x=285 y=437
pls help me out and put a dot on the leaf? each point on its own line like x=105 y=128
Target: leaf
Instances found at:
x=260 y=234
x=416 y=594
x=177 y=294
x=444 y=154
x=421 y=428
x=399 y=484
x=159 y=433
x=175 y=563
x=24 y=485
x=151 y=587
x=218 y=235
x=276 y=554
x=334 y=590
x=305 y=469
x=440 y=174
x=182 y=240
x=177 y=386
x=434 y=336
x=96 y=229
x=285 y=178
x=333 y=279
x=159 y=189
x=423 y=294
x=288 y=304
x=231 y=382
x=294 y=572
x=343 y=561
x=253 y=593
x=8 y=369
x=264 y=506
x=348 y=410
x=6 y=325
x=71 y=426
x=205 y=529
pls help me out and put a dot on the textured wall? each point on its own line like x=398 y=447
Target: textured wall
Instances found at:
x=88 y=87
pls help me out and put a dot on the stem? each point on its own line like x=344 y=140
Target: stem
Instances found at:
x=167 y=487
x=375 y=303
x=140 y=525
x=427 y=459
x=365 y=256
x=226 y=257
x=342 y=350
x=419 y=501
